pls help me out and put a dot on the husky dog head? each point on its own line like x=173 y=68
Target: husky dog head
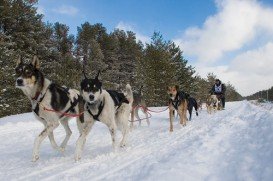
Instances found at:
x=27 y=75
x=172 y=91
x=91 y=88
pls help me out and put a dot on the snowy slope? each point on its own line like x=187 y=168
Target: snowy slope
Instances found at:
x=234 y=144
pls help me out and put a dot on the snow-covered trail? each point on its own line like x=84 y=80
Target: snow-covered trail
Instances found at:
x=234 y=144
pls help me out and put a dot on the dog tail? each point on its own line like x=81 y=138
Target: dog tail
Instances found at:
x=74 y=95
x=129 y=93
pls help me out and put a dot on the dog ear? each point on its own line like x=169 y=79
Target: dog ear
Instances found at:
x=141 y=88
x=99 y=84
x=35 y=62
x=176 y=87
x=19 y=60
x=84 y=74
x=97 y=76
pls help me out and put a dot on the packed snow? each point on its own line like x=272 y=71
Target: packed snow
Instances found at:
x=233 y=144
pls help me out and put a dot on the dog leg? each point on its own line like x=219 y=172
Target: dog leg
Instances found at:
x=82 y=139
x=171 y=115
x=132 y=118
x=209 y=107
x=190 y=113
x=146 y=115
x=124 y=129
x=68 y=132
x=182 y=111
x=219 y=105
x=181 y=116
x=144 y=110
x=185 y=117
x=215 y=108
x=112 y=129
x=196 y=107
x=80 y=125
x=125 y=132
x=51 y=136
x=185 y=113
x=137 y=116
x=38 y=141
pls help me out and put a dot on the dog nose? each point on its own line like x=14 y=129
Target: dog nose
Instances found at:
x=91 y=97
x=19 y=82
x=171 y=95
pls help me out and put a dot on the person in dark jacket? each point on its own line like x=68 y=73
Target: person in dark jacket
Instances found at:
x=219 y=89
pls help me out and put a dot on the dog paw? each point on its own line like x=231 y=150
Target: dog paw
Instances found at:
x=77 y=158
x=115 y=149
x=122 y=145
x=55 y=147
x=35 y=158
x=171 y=130
x=61 y=149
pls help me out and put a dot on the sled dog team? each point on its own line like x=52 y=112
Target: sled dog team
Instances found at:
x=53 y=104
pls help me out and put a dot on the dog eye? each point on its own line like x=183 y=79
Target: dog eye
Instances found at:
x=18 y=71
x=28 y=72
x=95 y=89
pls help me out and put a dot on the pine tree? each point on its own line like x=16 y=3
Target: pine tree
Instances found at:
x=183 y=73
x=64 y=41
x=129 y=53
x=202 y=89
x=117 y=54
x=158 y=71
x=88 y=48
x=231 y=93
x=22 y=32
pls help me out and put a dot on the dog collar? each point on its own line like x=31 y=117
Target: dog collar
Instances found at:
x=36 y=96
x=38 y=93
x=100 y=108
x=36 y=108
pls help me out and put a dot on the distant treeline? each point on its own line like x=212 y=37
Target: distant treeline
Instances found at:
x=121 y=58
x=265 y=95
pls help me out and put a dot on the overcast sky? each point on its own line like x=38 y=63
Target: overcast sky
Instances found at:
x=231 y=38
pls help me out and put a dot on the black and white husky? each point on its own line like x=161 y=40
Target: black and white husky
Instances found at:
x=107 y=106
x=50 y=103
